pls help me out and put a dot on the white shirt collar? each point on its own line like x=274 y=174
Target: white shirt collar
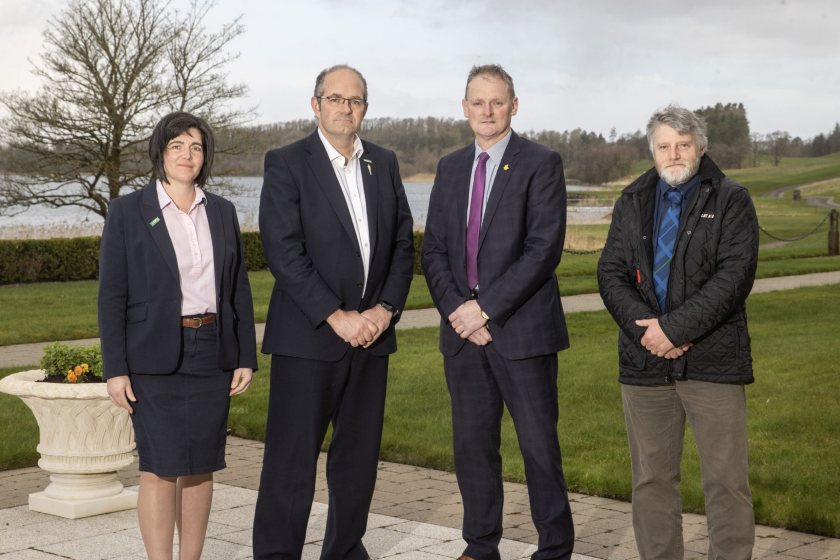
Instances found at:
x=334 y=154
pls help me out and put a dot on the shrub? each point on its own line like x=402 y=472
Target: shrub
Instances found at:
x=73 y=364
x=77 y=258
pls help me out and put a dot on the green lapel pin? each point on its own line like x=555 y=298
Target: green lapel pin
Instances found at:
x=154 y=222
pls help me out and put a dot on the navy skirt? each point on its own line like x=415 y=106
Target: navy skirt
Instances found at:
x=180 y=419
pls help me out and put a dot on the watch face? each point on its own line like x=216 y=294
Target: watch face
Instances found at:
x=387 y=306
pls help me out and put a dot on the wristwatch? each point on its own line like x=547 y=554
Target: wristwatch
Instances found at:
x=388 y=307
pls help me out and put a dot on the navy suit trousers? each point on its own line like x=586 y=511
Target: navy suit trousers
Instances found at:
x=480 y=383
x=305 y=397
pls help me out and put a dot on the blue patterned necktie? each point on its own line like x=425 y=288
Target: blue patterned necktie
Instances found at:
x=665 y=245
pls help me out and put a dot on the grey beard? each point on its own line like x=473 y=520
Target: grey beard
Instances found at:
x=678 y=178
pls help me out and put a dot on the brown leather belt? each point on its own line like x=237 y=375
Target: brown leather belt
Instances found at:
x=197 y=321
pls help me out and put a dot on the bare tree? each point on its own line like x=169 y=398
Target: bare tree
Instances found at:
x=110 y=70
x=778 y=142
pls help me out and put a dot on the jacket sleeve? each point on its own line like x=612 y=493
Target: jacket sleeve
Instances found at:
x=243 y=305
x=281 y=231
x=617 y=276
x=545 y=222
x=435 y=258
x=397 y=282
x=729 y=286
x=113 y=294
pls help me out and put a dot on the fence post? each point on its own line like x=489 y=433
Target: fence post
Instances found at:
x=833 y=235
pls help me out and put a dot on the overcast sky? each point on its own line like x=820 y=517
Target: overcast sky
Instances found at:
x=593 y=64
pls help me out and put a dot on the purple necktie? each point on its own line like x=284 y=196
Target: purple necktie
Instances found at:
x=474 y=221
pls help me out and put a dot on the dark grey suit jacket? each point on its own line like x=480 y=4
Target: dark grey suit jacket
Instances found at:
x=140 y=289
x=520 y=244
x=312 y=249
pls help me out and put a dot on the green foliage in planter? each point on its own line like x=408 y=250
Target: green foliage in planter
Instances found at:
x=60 y=360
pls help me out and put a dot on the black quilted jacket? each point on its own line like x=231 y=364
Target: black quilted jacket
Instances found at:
x=712 y=273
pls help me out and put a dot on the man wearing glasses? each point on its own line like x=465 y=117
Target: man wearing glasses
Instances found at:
x=337 y=234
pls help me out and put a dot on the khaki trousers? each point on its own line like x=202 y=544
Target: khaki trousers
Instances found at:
x=655 y=418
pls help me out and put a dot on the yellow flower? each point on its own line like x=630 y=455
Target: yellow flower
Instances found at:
x=85 y=368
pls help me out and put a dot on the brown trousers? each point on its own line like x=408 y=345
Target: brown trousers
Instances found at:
x=655 y=418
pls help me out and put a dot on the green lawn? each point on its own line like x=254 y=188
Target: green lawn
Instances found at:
x=56 y=311
x=18 y=430
x=789 y=172
x=794 y=411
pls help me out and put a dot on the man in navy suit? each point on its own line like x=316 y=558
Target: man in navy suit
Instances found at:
x=493 y=239
x=337 y=233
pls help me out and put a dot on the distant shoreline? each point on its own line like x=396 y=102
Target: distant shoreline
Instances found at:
x=586 y=207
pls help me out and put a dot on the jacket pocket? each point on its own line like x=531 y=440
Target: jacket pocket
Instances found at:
x=631 y=355
x=136 y=313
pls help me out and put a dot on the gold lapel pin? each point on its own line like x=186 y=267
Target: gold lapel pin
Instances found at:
x=506 y=167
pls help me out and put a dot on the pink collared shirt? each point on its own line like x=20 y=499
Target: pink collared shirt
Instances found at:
x=190 y=235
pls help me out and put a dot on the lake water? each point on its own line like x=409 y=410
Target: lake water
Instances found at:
x=39 y=222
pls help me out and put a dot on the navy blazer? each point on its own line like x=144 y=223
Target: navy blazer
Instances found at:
x=140 y=289
x=520 y=244
x=312 y=249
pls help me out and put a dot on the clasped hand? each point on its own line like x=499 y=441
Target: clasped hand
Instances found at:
x=360 y=329
x=468 y=323
x=657 y=343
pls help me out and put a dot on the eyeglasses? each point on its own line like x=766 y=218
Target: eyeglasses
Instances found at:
x=338 y=101
x=180 y=147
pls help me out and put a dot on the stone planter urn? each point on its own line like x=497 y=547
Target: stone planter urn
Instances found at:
x=84 y=440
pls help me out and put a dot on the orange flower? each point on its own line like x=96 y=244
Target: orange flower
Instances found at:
x=71 y=377
x=77 y=370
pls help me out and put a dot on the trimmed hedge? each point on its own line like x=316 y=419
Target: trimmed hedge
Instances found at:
x=49 y=260
x=77 y=258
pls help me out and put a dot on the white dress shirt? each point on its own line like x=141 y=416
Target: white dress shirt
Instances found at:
x=349 y=175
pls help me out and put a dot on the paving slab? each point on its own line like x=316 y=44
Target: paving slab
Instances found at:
x=426 y=528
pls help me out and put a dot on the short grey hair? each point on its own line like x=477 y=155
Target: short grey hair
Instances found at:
x=319 y=81
x=490 y=70
x=680 y=119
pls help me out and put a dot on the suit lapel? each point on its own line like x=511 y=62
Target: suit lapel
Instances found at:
x=462 y=184
x=153 y=219
x=217 y=235
x=499 y=184
x=319 y=163
x=370 y=180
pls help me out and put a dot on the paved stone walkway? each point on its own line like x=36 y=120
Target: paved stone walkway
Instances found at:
x=415 y=515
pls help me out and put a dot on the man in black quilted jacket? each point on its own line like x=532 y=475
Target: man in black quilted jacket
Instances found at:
x=675 y=274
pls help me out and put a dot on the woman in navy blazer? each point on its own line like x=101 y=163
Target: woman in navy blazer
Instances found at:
x=176 y=322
